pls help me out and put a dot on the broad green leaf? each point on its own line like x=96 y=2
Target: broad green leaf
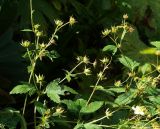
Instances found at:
x=40 y=107
x=10 y=118
x=117 y=90
x=92 y=107
x=101 y=88
x=52 y=55
x=21 y=89
x=146 y=68
x=66 y=88
x=53 y=91
x=110 y=48
x=156 y=44
x=75 y=106
x=129 y=63
x=125 y=98
x=92 y=126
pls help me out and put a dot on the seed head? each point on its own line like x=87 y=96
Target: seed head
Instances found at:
x=58 y=22
x=25 y=44
x=72 y=20
x=106 y=32
x=125 y=16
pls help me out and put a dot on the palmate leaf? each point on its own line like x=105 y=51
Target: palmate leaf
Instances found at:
x=22 y=89
x=53 y=91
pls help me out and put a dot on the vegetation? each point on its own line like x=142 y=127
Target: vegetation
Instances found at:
x=72 y=64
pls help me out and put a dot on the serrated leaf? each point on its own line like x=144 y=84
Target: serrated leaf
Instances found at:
x=53 y=91
x=92 y=126
x=92 y=107
x=146 y=68
x=110 y=48
x=129 y=63
x=75 y=106
x=21 y=89
x=117 y=90
x=52 y=55
x=101 y=88
x=155 y=99
x=125 y=98
x=156 y=44
x=40 y=108
x=66 y=88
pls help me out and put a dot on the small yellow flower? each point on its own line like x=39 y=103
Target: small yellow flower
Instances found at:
x=108 y=113
x=39 y=34
x=157 y=53
x=118 y=83
x=85 y=59
x=39 y=79
x=25 y=44
x=114 y=29
x=59 y=110
x=105 y=60
x=94 y=63
x=72 y=20
x=125 y=16
x=106 y=32
x=58 y=22
x=87 y=71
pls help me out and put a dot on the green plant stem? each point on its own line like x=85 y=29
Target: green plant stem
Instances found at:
x=31 y=14
x=94 y=89
x=94 y=121
x=35 y=121
x=72 y=71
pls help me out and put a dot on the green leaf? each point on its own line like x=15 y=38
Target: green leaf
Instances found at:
x=92 y=126
x=156 y=44
x=155 y=99
x=69 y=75
x=66 y=88
x=21 y=89
x=101 y=88
x=10 y=118
x=53 y=91
x=52 y=55
x=146 y=68
x=40 y=107
x=129 y=63
x=110 y=48
x=117 y=90
x=125 y=98
x=79 y=126
x=75 y=106
x=92 y=107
